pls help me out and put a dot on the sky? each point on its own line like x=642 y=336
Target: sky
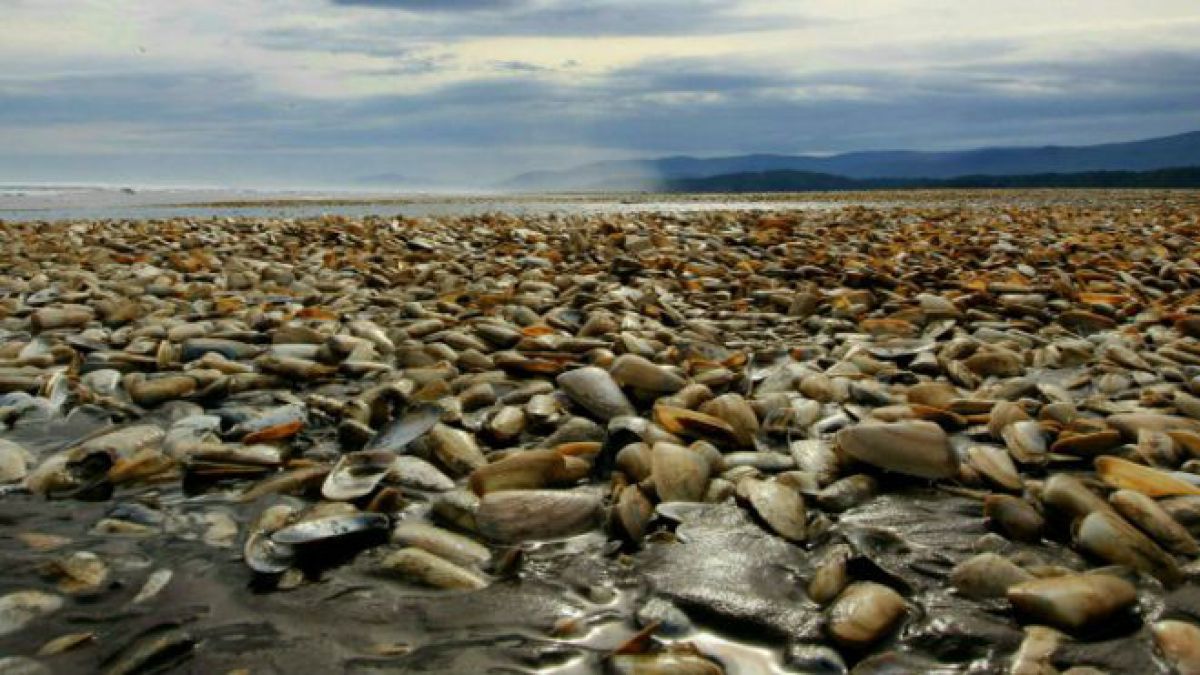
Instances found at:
x=302 y=93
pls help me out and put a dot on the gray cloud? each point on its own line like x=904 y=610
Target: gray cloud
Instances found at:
x=433 y=5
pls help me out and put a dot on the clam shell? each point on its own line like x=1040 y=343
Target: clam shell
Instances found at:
x=416 y=473
x=1014 y=517
x=453 y=547
x=423 y=567
x=692 y=424
x=528 y=469
x=521 y=515
x=781 y=507
x=680 y=474
x=915 y=448
x=1124 y=474
x=637 y=372
x=594 y=390
x=356 y=474
x=1147 y=515
x=1073 y=601
x=329 y=528
x=1106 y=535
x=736 y=411
x=633 y=512
x=987 y=575
x=20 y=608
x=1026 y=440
x=1179 y=641
x=995 y=465
x=406 y=428
x=863 y=614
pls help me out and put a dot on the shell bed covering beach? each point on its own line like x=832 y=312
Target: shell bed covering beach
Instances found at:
x=954 y=436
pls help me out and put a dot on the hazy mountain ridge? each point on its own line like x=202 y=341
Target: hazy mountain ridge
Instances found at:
x=804 y=181
x=1180 y=150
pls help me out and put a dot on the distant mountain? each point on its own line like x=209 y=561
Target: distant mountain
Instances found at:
x=1146 y=155
x=807 y=181
x=388 y=179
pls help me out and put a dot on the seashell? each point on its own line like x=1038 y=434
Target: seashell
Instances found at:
x=416 y=421
x=1014 y=517
x=520 y=515
x=67 y=316
x=863 y=614
x=933 y=394
x=423 y=567
x=680 y=474
x=1074 y=601
x=987 y=575
x=780 y=507
x=20 y=608
x=79 y=572
x=816 y=457
x=637 y=372
x=356 y=474
x=458 y=508
x=152 y=392
x=456 y=449
x=845 y=494
x=915 y=448
x=1034 y=655
x=1179 y=642
x=831 y=575
x=1087 y=444
x=634 y=460
x=521 y=470
x=594 y=390
x=1106 y=535
x=414 y=472
x=14 y=462
x=691 y=424
x=736 y=411
x=1129 y=424
x=1124 y=474
x=1147 y=515
x=995 y=362
x=663 y=663
x=445 y=544
x=1026 y=440
x=328 y=528
x=633 y=512
x=1071 y=497
x=996 y=465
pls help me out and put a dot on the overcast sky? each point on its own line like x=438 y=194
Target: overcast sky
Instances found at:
x=308 y=92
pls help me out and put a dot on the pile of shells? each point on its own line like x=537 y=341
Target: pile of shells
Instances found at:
x=438 y=397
